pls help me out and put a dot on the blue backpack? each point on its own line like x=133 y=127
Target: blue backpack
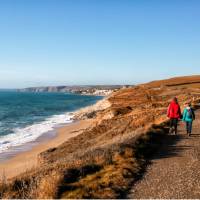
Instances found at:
x=189 y=113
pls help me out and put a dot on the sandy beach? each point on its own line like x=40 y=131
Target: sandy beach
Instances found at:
x=27 y=160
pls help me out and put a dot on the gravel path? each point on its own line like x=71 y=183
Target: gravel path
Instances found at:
x=175 y=169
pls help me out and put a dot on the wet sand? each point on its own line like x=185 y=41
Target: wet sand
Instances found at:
x=23 y=161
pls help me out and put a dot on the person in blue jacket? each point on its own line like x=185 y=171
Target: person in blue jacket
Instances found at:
x=188 y=117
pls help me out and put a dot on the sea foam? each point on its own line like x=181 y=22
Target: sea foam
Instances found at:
x=30 y=133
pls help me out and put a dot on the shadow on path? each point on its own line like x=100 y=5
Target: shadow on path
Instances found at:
x=169 y=148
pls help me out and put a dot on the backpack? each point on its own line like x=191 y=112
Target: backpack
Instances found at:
x=189 y=113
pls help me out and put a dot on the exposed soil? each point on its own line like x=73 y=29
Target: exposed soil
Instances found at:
x=174 y=170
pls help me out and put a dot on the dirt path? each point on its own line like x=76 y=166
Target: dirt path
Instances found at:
x=175 y=169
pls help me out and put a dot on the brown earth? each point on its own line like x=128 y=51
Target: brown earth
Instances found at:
x=105 y=161
x=183 y=81
x=174 y=169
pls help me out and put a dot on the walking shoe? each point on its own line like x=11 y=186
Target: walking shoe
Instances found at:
x=171 y=130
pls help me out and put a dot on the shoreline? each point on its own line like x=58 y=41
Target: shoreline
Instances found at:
x=15 y=150
x=23 y=161
x=35 y=127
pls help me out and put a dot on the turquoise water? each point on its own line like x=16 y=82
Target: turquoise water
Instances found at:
x=26 y=116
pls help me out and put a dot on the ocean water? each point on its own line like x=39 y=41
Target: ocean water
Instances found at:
x=26 y=116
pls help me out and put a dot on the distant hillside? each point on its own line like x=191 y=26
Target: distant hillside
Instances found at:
x=183 y=81
x=87 y=89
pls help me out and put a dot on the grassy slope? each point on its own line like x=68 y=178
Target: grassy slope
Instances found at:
x=103 y=161
x=182 y=81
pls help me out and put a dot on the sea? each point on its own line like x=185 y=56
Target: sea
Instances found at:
x=27 y=116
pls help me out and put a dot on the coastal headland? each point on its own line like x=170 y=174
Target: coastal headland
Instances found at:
x=97 y=90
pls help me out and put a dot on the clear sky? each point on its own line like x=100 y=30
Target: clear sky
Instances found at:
x=61 y=42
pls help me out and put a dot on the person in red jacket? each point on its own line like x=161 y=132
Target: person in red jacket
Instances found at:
x=174 y=113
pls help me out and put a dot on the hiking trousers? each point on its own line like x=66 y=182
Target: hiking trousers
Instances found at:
x=189 y=127
x=174 y=124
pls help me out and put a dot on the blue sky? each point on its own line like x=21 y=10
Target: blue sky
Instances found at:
x=61 y=42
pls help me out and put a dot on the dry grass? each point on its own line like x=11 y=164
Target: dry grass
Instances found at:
x=187 y=81
x=114 y=179
x=48 y=187
x=110 y=177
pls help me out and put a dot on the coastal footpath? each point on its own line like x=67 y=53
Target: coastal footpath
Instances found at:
x=174 y=170
x=107 y=159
